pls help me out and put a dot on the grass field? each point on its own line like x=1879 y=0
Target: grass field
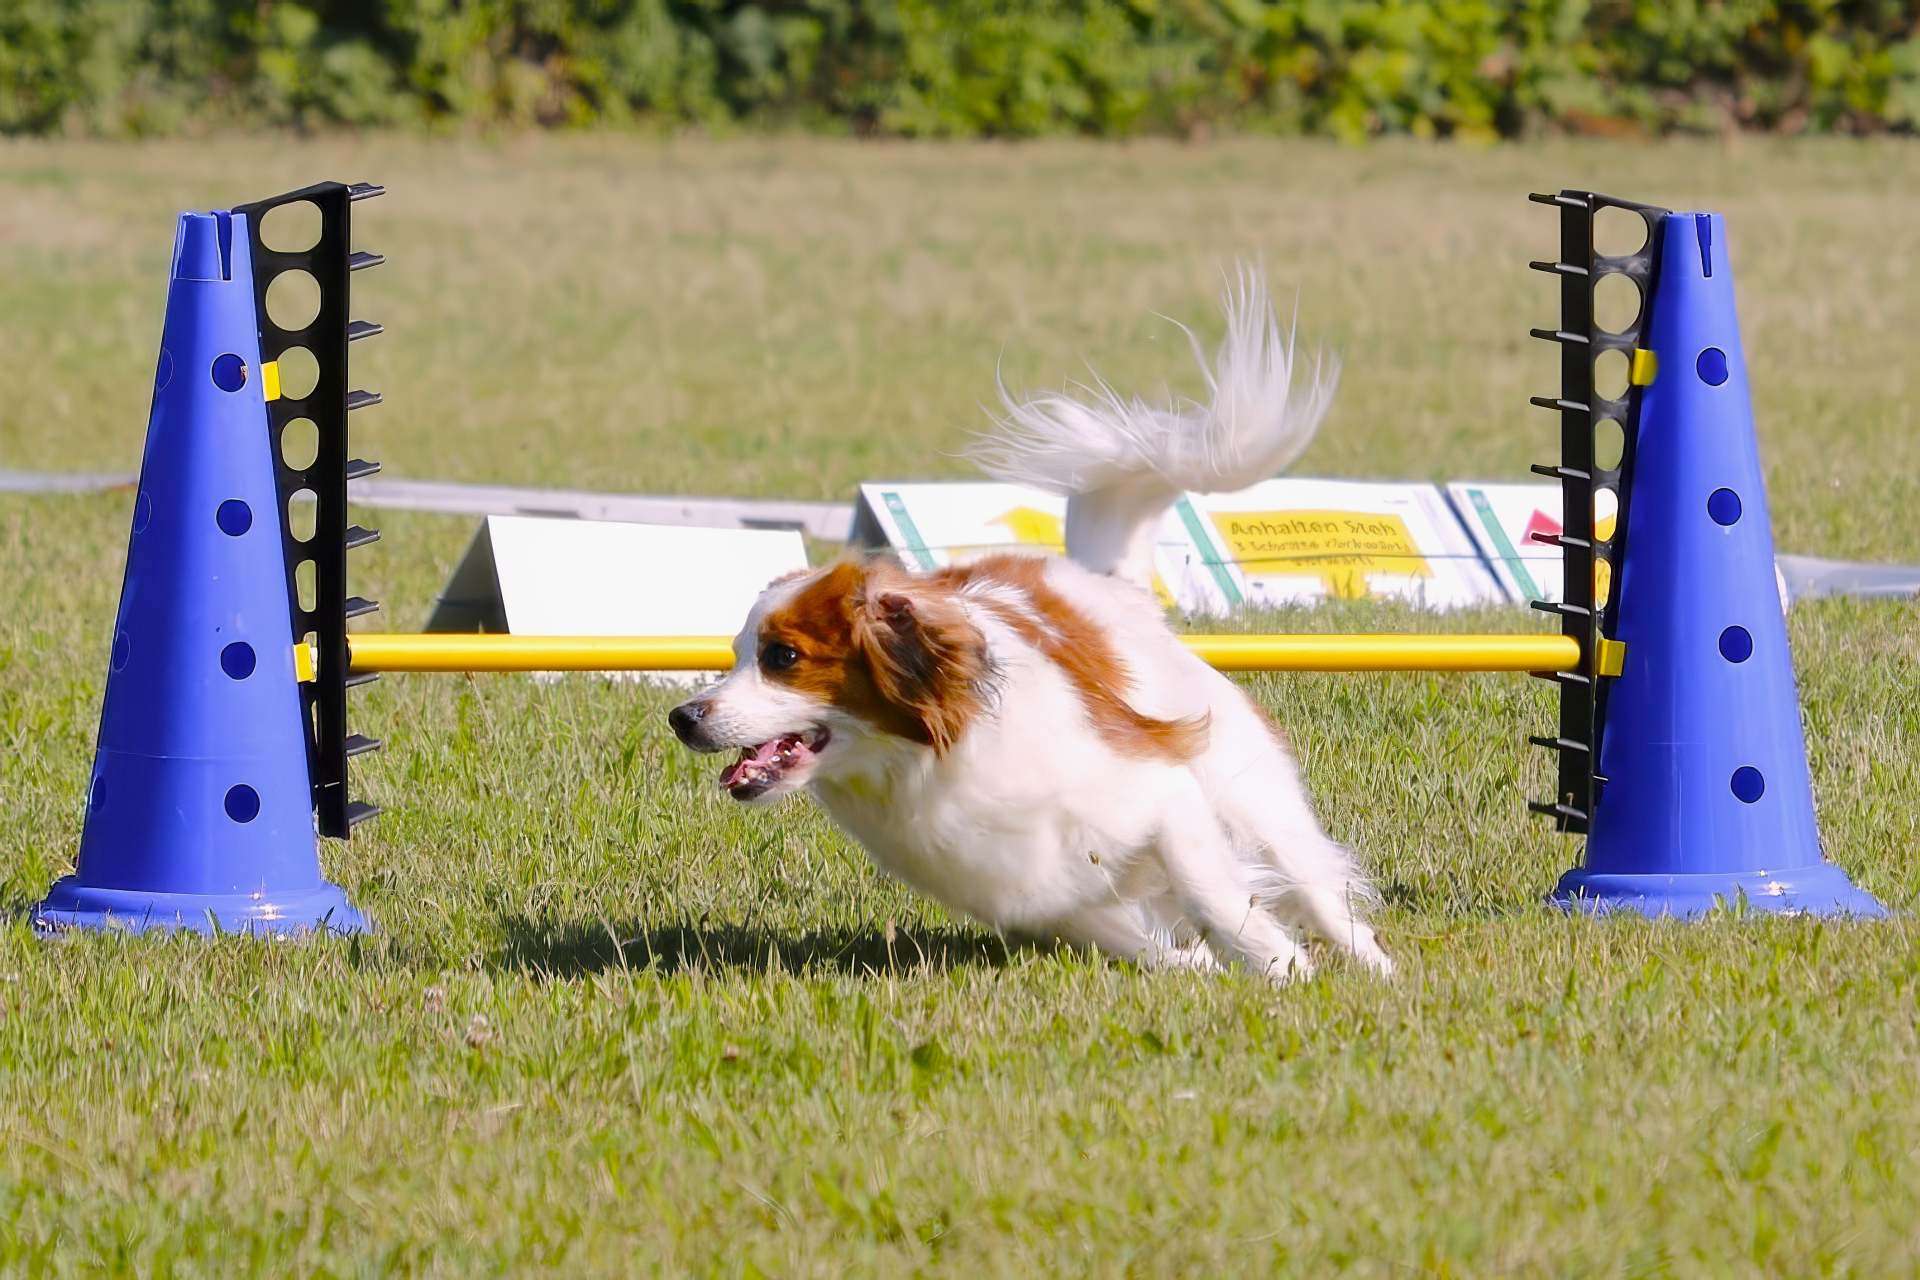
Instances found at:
x=613 y=1024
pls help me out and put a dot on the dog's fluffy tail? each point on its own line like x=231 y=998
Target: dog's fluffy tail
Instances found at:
x=1122 y=461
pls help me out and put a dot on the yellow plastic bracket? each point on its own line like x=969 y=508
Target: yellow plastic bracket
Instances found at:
x=1644 y=368
x=1612 y=658
x=303 y=662
x=270 y=380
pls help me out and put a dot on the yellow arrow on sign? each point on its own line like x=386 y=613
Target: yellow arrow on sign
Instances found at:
x=1034 y=527
x=1031 y=526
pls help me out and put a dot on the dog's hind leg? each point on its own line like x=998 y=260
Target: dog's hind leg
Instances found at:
x=1309 y=879
x=1126 y=931
x=1303 y=875
x=1220 y=899
x=1328 y=909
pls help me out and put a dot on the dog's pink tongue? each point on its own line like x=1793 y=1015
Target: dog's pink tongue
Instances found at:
x=752 y=760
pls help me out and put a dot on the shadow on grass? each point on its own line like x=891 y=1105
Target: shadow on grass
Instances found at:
x=1395 y=893
x=570 y=948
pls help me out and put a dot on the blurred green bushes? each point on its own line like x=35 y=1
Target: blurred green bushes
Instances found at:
x=966 y=67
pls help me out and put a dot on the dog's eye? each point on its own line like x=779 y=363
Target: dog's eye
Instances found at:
x=778 y=657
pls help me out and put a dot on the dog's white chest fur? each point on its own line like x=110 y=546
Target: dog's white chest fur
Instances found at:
x=1006 y=827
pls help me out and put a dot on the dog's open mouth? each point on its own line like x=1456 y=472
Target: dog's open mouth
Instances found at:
x=761 y=768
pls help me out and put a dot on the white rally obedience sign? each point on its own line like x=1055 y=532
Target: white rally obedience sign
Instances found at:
x=1294 y=541
x=1279 y=542
x=530 y=576
x=1503 y=519
x=932 y=525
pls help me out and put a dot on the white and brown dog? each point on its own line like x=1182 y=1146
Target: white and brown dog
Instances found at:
x=1023 y=737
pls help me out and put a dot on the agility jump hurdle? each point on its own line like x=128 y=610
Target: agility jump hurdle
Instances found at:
x=223 y=750
x=374 y=653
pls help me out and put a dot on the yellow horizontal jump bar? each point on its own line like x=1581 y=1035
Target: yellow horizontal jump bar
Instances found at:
x=1386 y=653
x=374 y=651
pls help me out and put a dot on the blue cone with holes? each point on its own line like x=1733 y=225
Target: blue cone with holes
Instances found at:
x=1707 y=798
x=199 y=813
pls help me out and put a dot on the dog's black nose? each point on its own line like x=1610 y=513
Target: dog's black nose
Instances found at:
x=685 y=719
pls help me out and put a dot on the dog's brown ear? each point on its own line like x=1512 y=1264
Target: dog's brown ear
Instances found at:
x=843 y=579
x=926 y=659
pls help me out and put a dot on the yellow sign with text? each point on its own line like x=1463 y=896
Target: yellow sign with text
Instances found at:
x=1339 y=547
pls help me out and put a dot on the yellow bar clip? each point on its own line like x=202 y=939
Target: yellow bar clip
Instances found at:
x=303 y=662
x=270 y=380
x=1645 y=367
x=1612 y=657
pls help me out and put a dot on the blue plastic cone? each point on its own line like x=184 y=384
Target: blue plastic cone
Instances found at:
x=200 y=814
x=1708 y=797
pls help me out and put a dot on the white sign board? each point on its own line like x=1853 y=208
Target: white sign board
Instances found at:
x=1279 y=542
x=1503 y=519
x=931 y=525
x=592 y=577
x=1292 y=541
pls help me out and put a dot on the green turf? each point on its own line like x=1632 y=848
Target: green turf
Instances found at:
x=614 y=1024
